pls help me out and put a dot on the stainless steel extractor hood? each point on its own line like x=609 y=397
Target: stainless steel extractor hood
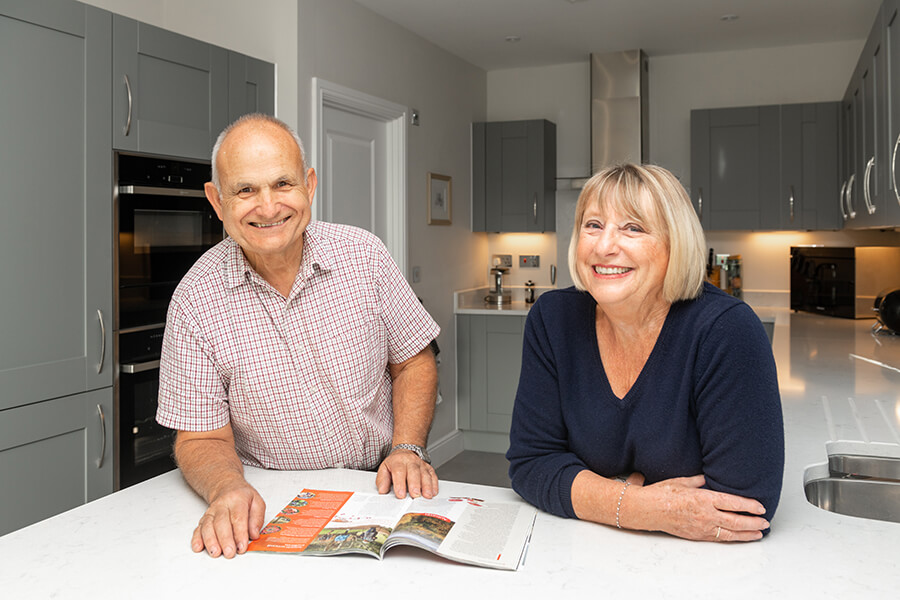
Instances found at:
x=619 y=108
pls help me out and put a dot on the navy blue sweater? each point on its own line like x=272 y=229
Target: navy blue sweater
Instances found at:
x=706 y=402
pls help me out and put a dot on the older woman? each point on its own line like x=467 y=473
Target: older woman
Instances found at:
x=648 y=398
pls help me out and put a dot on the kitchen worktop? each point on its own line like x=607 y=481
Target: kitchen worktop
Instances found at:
x=135 y=543
x=472 y=301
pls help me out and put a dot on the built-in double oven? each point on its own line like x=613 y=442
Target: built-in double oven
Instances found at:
x=163 y=225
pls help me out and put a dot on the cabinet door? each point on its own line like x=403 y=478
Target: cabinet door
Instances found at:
x=737 y=164
x=170 y=92
x=251 y=86
x=872 y=133
x=489 y=360
x=54 y=455
x=519 y=176
x=56 y=231
x=808 y=190
x=891 y=13
x=845 y=154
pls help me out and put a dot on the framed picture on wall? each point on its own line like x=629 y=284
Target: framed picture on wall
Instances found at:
x=439 y=199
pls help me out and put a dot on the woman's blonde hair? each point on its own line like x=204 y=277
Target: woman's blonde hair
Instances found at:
x=650 y=195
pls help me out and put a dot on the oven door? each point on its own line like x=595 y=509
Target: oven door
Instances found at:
x=162 y=233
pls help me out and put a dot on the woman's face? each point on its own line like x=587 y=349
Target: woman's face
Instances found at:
x=620 y=261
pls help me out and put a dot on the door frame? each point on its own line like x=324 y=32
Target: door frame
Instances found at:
x=332 y=95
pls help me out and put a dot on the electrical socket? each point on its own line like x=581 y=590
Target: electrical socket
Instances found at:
x=529 y=261
x=416 y=275
x=502 y=260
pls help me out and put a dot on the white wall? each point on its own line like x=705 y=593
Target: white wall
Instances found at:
x=263 y=29
x=344 y=43
x=677 y=84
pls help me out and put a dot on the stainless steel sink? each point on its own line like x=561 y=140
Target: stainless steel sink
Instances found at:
x=859 y=486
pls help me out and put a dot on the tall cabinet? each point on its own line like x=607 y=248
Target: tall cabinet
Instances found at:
x=56 y=369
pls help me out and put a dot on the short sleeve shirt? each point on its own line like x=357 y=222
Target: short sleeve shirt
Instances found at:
x=303 y=380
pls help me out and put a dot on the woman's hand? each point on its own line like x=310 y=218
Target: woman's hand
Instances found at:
x=681 y=507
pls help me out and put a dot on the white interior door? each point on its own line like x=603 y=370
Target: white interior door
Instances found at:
x=353 y=171
x=359 y=152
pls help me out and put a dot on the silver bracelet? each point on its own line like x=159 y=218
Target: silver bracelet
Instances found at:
x=619 y=503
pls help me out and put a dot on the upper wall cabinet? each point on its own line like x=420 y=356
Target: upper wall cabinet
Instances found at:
x=514 y=176
x=891 y=20
x=251 y=86
x=766 y=167
x=170 y=92
x=870 y=128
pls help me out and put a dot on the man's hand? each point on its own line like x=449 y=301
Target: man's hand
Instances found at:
x=406 y=472
x=236 y=511
x=234 y=517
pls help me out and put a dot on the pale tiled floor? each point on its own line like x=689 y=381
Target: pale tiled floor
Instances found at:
x=470 y=466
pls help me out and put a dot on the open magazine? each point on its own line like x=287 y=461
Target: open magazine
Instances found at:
x=460 y=528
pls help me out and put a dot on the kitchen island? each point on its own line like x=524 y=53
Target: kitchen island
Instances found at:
x=135 y=543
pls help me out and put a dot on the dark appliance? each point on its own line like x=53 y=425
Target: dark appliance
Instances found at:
x=887 y=309
x=842 y=281
x=163 y=225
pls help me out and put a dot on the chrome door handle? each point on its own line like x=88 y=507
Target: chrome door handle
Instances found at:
x=102 y=436
x=791 y=202
x=127 y=127
x=102 y=341
x=700 y=203
x=894 y=169
x=841 y=200
x=850 y=212
x=869 y=207
x=132 y=368
x=535 y=207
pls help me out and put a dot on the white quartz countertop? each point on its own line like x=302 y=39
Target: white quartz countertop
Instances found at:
x=472 y=301
x=135 y=543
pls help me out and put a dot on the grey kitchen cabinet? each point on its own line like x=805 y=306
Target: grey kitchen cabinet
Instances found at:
x=807 y=196
x=734 y=164
x=170 y=92
x=514 y=176
x=489 y=359
x=56 y=232
x=891 y=21
x=54 y=455
x=768 y=167
x=251 y=86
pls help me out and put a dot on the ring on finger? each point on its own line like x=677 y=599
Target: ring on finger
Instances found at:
x=718 y=531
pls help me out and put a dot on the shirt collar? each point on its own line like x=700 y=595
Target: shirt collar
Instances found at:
x=318 y=254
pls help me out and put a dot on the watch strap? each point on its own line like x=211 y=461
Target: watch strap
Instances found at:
x=419 y=450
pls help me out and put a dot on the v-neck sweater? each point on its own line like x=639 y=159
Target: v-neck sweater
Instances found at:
x=706 y=402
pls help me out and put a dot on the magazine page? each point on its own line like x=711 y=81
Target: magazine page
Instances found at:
x=469 y=530
x=321 y=522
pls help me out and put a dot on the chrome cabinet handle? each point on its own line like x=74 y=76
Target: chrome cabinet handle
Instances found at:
x=841 y=200
x=700 y=203
x=128 y=120
x=102 y=436
x=102 y=341
x=894 y=169
x=132 y=368
x=850 y=212
x=791 y=202
x=534 y=209
x=869 y=206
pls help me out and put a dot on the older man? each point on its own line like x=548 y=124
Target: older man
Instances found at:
x=290 y=344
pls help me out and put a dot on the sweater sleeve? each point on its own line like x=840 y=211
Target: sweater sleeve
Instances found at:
x=542 y=467
x=738 y=409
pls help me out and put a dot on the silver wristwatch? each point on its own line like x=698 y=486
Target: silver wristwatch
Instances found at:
x=419 y=450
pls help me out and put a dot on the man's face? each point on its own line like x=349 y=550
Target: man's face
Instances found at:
x=263 y=201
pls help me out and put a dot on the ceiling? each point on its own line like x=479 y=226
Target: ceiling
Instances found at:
x=565 y=31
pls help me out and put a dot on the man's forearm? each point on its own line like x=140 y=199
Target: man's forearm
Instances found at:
x=414 y=395
x=208 y=461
